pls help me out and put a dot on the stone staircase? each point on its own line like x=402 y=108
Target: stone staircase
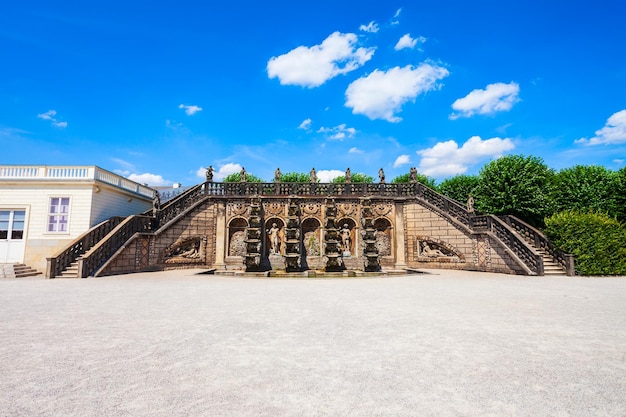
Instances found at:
x=70 y=272
x=17 y=271
x=550 y=266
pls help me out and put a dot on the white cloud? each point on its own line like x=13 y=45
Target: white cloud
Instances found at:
x=50 y=115
x=613 y=132
x=396 y=16
x=306 y=124
x=150 y=179
x=329 y=175
x=172 y=124
x=495 y=97
x=446 y=158
x=355 y=150
x=381 y=94
x=312 y=67
x=401 y=160
x=190 y=110
x=371 y=27
x=225 y=170
x=408 y=42
x=340 y=132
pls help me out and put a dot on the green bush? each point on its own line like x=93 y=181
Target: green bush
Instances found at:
x=597 y=241
x=295 y=177
x=236 y=177
x=405 y=178
x=355 y=178
x=459 y=187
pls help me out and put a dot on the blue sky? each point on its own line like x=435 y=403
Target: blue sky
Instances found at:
x=157 y=91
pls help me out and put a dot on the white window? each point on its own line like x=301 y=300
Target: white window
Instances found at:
x=58 y=214
x=12 y=224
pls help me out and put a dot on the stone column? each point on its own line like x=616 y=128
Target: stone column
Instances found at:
x=399 y=235
x=220 y=236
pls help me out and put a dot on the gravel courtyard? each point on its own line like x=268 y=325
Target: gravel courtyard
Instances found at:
x=445 y=343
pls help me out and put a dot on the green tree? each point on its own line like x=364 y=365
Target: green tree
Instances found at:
x=405 y=178
x=459 y=187
x=597 y=241
x=356 y=178
x=295 y=177
x=620 y=198
x=518 y=185
x=587 y=187
x=236 y=177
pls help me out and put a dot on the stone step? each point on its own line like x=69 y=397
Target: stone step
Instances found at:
x=17 y=271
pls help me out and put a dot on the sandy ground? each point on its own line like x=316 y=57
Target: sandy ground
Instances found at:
x=447 y=343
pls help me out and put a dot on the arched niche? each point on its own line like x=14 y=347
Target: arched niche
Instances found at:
x=311 y=236
x=350 y=224
x=237 y=236
x=384 y=239
x=269 y=235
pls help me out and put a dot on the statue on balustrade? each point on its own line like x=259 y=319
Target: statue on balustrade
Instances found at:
x=277 y=175
x=313 y=175
x=209 y=174
x=242 y=175
x=413 y=175
x=381 y=176
x=348 y=176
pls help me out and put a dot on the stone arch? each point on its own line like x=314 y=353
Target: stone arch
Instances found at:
x=352 y=225
x=312 y=236
x=384 y=241
x=236 y=236
x=281 y=234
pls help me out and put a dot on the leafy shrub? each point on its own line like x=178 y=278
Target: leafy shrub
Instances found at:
x=295 y=177
x=597 y=241
x=459 y=187
x=356 y=178
x=404 y=178
x=236 y=177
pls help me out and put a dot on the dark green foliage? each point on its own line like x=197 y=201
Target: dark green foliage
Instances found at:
x=356 y=178
x=598 y=241
x=587 y=187
x=459 y=187
x=405 y=178
x=518 y=185
x=295 y=177
x=236 y=177
x=620 y=197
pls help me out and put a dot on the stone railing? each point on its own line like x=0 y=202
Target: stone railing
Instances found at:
x=180 y=203
x=533 y=262
x=59 y=262
x=95 y=257
x=70 y=173
x=540 y=241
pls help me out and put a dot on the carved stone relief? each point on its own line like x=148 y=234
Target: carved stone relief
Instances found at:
x=188 y=250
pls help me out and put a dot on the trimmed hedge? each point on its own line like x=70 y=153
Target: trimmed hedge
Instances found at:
x=597 y=240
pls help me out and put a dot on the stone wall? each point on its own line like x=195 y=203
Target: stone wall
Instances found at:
x=451 y=246
x=169 y=248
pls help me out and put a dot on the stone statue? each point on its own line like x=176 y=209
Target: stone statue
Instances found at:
x=348 y=176
x=274 y=235
x=413 y=175
x=156 y=204
x=243 y=175
x=313 y=175
x=430 y=252
x=381 y=176
x=209 y=174
x=345 y=238
x=470 y=204
x=277 y=175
